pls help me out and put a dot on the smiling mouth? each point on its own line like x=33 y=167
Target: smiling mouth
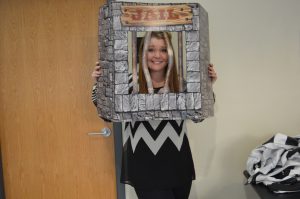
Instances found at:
x=157 y=62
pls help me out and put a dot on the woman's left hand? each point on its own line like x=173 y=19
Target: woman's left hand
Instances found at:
x=212 y=73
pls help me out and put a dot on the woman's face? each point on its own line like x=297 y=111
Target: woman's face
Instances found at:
x=157 y=55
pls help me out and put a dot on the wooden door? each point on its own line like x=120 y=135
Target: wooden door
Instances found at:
x=48 y=50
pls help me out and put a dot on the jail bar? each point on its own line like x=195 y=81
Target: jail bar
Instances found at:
x=145 y=65
x=134 y=62
x=170 y=62
x=180 y=61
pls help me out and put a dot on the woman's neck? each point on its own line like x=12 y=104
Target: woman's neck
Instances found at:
x=158 y=79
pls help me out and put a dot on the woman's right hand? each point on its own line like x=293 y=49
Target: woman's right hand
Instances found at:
x=97 y=71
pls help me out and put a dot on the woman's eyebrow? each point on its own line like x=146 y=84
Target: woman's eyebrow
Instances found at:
x=153 y=46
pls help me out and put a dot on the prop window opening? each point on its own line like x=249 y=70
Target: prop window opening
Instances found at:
x=178 y=43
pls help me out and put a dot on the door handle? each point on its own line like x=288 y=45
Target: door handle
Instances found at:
x=105 y=132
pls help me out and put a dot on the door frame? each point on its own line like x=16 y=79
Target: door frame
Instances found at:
x=118 y=140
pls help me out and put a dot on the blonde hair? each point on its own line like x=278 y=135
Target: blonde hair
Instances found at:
x=173 y=76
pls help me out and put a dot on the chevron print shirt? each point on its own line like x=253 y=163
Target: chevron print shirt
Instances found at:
x=156 y=154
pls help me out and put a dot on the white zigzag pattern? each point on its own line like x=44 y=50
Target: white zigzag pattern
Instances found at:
x=155 y=145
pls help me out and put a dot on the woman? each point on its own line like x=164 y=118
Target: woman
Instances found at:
x=157 y=159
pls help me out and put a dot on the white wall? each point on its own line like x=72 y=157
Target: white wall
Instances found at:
x=255 y=46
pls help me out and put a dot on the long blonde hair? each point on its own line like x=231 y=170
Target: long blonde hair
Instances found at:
x=173 y=78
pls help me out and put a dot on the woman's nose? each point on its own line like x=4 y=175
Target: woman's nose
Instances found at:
x=157 y=54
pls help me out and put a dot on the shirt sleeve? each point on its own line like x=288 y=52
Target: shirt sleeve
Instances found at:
x=94 y=100
x=94 y=91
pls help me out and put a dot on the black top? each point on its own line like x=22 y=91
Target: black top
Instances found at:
x=156 y=154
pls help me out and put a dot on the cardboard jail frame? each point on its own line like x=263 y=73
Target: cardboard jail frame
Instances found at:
x=114 y=102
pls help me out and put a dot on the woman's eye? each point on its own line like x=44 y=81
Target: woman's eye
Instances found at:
x=150 y=50
x=164 y=50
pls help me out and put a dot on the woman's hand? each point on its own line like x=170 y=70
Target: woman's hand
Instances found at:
x=212 y=73
x=97 y=71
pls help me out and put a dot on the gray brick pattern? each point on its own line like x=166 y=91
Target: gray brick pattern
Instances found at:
x=114 y=100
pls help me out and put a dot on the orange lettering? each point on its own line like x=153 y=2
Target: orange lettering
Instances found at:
x=172 y=15
x=161 y=14
x=138 y=15
x=150 y=15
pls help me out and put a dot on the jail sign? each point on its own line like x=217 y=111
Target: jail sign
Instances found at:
x=156 y=15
